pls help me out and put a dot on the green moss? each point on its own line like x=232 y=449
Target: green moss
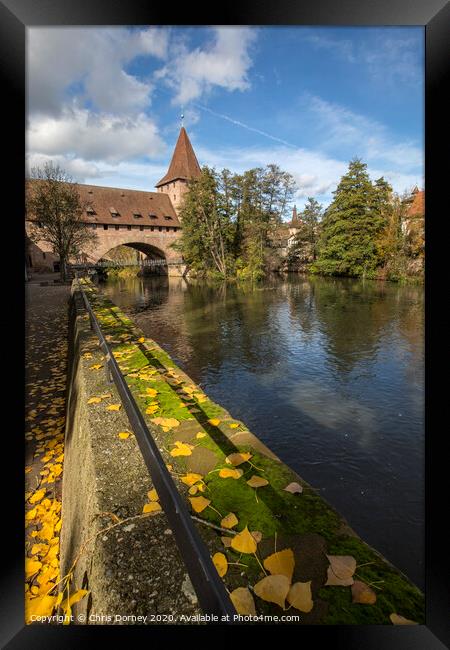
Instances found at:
x=269 y=509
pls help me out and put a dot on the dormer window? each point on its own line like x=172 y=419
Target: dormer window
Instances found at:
x=90 y=210
x=137 y=215
x=152 y=216
x=167 y=218
x=114 y=212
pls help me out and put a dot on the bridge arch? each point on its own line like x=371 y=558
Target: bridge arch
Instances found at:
x=151 y=252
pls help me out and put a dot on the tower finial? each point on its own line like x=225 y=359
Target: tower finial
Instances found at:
x=182 y=117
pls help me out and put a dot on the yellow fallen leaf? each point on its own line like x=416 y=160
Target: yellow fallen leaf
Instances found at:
x=153 y=495
x=37 y=496
x=362 y=593
x=151 y=392
x=293 y=488
x=124 y=435
x=281 y=563
x=300 y=596
x=257 y=481
x=193 y=490
x=191 y=478
x=181 y=449
x=244 y=542
x=39 y=549
x=396 y=619
x=114 y=407
x=234 y=425
x=229 y=521
x=341 y=570
x=170 y=423
x=40 y=606
x=214 y=421
x=243 y=601
x=152 y=507
x=151 y=409
x=94 y=400
x=32 y=566
x=199 y=503
x=96 y=366
x=106 y=395
x=141 y=340
x=230 y=473
x=273 y=589
x=238 y=458
x=201 y=434
x=221 y=563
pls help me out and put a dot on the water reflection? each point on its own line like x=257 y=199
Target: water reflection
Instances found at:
x=328 y=372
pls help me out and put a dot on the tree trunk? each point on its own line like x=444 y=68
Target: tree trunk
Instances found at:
x=62 y=269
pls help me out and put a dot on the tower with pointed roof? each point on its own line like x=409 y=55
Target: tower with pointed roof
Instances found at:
x=183 y=167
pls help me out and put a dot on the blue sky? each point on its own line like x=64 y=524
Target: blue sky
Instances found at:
x=105 y=103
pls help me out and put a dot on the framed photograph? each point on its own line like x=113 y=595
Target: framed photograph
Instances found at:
x=227 y=286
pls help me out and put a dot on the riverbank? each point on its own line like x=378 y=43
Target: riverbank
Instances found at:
x=196 y=437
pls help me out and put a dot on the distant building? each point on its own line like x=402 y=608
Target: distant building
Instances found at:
x=147 y=221
x=415 y=214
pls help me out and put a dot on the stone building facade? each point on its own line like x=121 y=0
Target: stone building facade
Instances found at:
x=146 y=221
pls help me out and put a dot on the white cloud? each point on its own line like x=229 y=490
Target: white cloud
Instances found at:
x=94 y=58
x=223 y=62
x=90 y=136
x=368 y=138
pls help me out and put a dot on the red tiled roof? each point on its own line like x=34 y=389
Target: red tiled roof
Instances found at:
x=184 y=163
x=417 y=206
x=126 y=203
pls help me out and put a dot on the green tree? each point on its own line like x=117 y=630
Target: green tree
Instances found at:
x=55 y=211
x=351 y=225
x=206 y=216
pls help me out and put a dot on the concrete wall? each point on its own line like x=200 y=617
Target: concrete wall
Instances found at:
x=131 y=570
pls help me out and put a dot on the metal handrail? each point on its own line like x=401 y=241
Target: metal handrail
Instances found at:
x=210 y=590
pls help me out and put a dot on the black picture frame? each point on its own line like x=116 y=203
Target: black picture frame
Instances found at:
x=434 y=16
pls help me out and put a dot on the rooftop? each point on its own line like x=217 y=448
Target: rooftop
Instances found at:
x=184 y=164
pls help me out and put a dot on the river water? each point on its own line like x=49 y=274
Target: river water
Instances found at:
x=329 y=373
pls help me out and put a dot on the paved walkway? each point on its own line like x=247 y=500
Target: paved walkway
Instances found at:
x=45 y=405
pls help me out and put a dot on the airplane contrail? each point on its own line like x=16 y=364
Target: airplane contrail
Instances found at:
x=245 y=126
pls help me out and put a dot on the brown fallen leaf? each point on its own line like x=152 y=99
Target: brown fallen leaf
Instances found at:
x=341 y=570
x=237 y=458
x=362 y=593
x=293 y=488
x=257 y=535
x=257 y=481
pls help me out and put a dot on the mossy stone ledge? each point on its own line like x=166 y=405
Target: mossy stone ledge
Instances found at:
x=180 y=412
